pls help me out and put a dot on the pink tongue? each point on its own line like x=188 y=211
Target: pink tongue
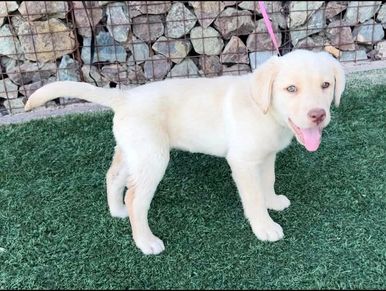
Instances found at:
x=311 y=138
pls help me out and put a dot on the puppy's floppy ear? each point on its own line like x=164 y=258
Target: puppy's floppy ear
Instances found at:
x=340 y=82
x=339 y=76
x=262 y=81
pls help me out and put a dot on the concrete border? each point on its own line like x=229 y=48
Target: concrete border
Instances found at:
x=41 y=113
x=364 y=66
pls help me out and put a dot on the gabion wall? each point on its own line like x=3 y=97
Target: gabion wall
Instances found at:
x=142 y=41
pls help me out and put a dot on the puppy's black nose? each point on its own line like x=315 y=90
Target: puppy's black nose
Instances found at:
x=317 y=115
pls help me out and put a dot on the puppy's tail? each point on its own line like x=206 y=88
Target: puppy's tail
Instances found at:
x=104 y=96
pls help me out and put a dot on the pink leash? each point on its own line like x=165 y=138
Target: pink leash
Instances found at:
x=268 y=24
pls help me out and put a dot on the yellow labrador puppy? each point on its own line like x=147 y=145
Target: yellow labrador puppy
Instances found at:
x=246 y=119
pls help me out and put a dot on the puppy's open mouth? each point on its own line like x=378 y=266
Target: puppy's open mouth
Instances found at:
x=309 y=137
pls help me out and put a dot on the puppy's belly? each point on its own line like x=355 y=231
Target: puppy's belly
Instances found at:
x=211 y=144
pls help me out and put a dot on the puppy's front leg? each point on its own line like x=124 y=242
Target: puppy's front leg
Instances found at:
x=272 y=200
x=252 y=198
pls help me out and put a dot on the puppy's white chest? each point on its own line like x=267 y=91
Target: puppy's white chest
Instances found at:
x=284 y=139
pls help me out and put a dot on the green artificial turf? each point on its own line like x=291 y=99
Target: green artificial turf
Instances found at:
x=56 y=232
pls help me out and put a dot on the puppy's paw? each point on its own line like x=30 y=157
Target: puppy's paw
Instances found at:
x=277 y=202
x=150 y=244
x=119 y=212
x=268 y=231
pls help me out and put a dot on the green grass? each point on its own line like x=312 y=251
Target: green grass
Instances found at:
x=56 y=232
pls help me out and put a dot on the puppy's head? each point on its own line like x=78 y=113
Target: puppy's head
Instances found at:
x=298 y=89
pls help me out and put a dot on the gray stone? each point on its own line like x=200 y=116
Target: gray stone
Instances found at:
x=360 y=11
x=319 y=39
x=274 y=10
x=5 y=8
x=368 y=32
x=148 y=28
x=157 y=67
x=340 y=35
x=115 y=73
x=175 y=50
x=106 y=49
x=9 y=44
x=33 y=10
x=316 y=23
x=134 y=13
x=235 y=52
x=140 y=51
x=350 y=56
x=15 y=106
x=260 y=40
x=229 y=3
x=236 y=70
x=69 y=69
x=333 y=8
x=93 y=13
x=103 y=3
x=207 y=11
x=210 y=66
x=118 y=22
x=257 y=58
x=250 y=5
x=136 y=75
x=186 y=69
x=305 y=43
x=16 y=21
x=31 y=72
x=94 y=73
x=372 y=55
x=150 y=7
x=380 y=50
x=381 y=17
x=234 y=22
x=179 y=21
x=48 y=40
x=315 y=44
x=7 y=64
x=28 y=89
x=206 y=40
x=300 y=11
x=8 y=89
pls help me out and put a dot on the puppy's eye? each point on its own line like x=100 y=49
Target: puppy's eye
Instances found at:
x=292 y=89
x=325 y=85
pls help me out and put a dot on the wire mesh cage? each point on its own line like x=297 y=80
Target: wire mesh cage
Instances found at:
x=143 y=41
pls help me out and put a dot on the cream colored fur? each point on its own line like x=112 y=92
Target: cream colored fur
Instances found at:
x=241 y=118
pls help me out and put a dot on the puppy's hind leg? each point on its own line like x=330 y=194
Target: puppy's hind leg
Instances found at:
x=146 y=151
x=116 y=179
